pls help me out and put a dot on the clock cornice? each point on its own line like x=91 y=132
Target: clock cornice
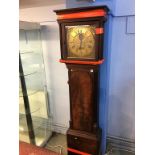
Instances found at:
x=73 y=10
x=84 y=12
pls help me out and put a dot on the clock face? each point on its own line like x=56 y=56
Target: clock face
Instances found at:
x=81 y=41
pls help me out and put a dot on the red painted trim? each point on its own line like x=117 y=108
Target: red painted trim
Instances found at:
x=99 y=30
x=85 y=14
x=76 y=151
x=82 y=62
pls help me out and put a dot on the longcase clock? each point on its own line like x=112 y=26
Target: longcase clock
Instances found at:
x=81 y=40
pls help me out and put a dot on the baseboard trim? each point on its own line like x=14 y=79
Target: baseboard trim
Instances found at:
x=121 y=143
x=59 y=128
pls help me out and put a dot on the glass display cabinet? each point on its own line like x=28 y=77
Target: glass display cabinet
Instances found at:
x=34 y=111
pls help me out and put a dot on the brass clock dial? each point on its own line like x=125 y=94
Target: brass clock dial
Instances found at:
x=81 y=41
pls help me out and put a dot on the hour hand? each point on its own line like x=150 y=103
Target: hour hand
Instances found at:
x=80 y=43
x=80 y=35
x=80 y=38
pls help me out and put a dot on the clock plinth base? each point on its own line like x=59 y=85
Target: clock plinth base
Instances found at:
x=83 y=142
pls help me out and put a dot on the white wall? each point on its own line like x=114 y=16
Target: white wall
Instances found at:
x=57 y=77
x=39 y=3
x=56 y=72
x=39 y=14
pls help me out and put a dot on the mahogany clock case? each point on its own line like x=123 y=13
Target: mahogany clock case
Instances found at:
x=84 y=134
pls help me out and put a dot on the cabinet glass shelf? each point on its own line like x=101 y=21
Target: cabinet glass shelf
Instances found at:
x=34 y=84
x=38 y=102
x=29 y=73
x=29 y=93
x=38 y=123
x=32 y=62
x=29 y=52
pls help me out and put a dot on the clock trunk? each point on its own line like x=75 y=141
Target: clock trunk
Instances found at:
x=83 y=87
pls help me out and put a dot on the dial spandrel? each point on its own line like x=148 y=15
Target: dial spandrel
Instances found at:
x=81 y=41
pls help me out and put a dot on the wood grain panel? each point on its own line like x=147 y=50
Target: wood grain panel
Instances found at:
x=81 y=99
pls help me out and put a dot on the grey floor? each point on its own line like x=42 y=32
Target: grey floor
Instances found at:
x=58 y=144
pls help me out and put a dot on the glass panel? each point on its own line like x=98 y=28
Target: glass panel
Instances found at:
x=42 y=129
x=23 y=128
x=34 y=83
x=30 y=41
x=32 y=62
x=34 y=76
x=37 y=104
x=81 y=41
